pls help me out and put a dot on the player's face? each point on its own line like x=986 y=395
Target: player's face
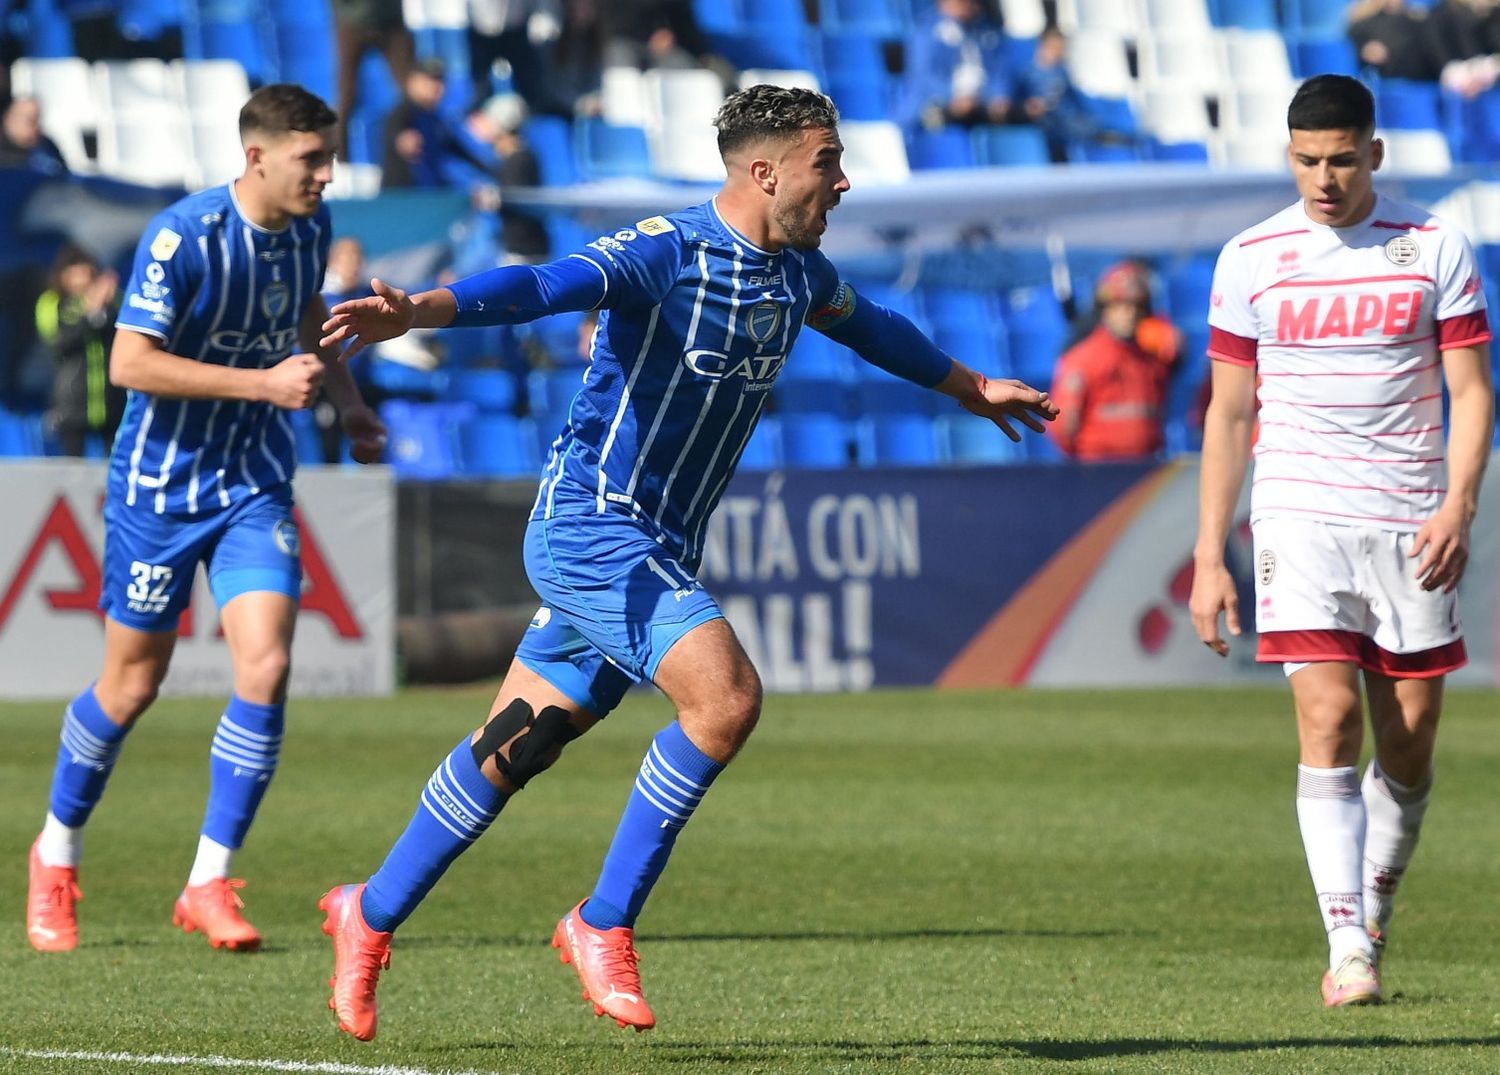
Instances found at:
x=294 y=168
x=1335 y=174
x=810 y=181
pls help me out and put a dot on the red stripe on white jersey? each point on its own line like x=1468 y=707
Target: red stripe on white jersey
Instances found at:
x=1406 y=520
x=1356 y=373
x=1276 y=235
x=1404 y=225
x=1344 y=345
x=1352 y=406
x=1409 y=489
x=1341 y=282
x=1350 y=433
x=1399 y=460
x=1465 y=330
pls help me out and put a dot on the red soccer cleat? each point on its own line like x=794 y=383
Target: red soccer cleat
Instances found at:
x=606 y=962
x=359 y=955
x=213 y=909
x=1355 y=981
x=52 y=891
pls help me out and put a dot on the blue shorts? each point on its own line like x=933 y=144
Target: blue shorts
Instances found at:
x=150 y=560
x=613 y=603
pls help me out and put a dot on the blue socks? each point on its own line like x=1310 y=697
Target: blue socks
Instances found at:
x=241 y=763
x=457 y=805
x=90 y=745
x=672 y=780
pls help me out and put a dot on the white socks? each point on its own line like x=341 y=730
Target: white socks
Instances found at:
x=59 y=845
x=1394 y=812
x=1331 y=813
x=212 y=862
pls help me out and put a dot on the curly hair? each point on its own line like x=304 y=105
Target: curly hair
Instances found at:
x=771 y=112
x=283 y=107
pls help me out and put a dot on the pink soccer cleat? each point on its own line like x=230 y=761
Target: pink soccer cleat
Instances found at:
x=1356 y=980
x=51 y=917
x=213 y=909
x=606 y=962
x=359 y=955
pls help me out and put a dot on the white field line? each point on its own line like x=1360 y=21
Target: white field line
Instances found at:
x=169 y=1060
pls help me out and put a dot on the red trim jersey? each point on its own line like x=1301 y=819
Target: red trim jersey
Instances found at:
x=1345 y=327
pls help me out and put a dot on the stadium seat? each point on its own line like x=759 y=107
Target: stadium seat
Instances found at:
x=878 y=392
x=680 y=108
x=306 y=57
x=1107 y=16
x=1244 y=14
x=787 y=78
x=1175 y=14
x=903 y=440
x=884 y=18
x=551 y=393
x=499 y=446
x=1038 y=331
x=874 y=152
x=20 y=434
x=1257 y=151
x=1402 y=105
x=1182 y=59
x=1007 y=147
x=815 y=441
x=1099 y=66
x=773 y=16
x=1323 y=55
x=424 y=437
x=551 y=139
x=979 y=345
x=308 y=440
x=971 y=441
x=622 y=95
x=231 y=30
x=763 y=451
x=606 y=151
x=1023 y=18
x=812 y=395
x=492 y=391
x=1194 y=152
x=718 y=16
x=399 y=379
x=1175 y=112
x=817 y=358
x=1255 y=109
x=1313 y=18
x=45 y=29
x=857 y=79
x=949 y=147
x=1416 y=152
x=789 y=49
x=63 y=87
x=1189 y=283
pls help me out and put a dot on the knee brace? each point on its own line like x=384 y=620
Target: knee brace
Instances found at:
x=532 y=737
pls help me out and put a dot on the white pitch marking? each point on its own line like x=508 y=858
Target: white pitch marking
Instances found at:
x=167 y=1060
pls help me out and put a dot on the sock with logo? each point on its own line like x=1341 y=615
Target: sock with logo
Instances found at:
x=90 y=745
x=673 y=778
x=1331 y=814
x=1395 y=814
x=241 y=763
x=457 y=805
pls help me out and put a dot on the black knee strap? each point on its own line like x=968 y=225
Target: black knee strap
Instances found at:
x=532 y=739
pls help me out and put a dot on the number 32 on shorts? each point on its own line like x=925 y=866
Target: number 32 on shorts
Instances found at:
x=147 y=591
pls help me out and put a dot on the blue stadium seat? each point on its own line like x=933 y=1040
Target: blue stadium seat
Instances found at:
x=492 y=391
x=818 y=441
x=231 y=31
x=1010 y=146
x=815 y=357
x=902 y=440
x=773 y=16
x=812 y=395
x=1088 y=151
x=856 y=75
x=1308 y=18
x=978 y=345
x=20 y=434
x=1474 y=126
x=718 y=16
x=1323 y=55
x=904 y=300
x=1038 y=331
x=960 y=307
x=376 y=93
x=1192 y=152
x=606 y=151
x=551 y=139
x=763 y=452
x=309 y=441
x=399 y=379
x=972 y=441
x=948 y=147
x=1401 y=105
x=1038 y=447
x=791 y=49
x=877 y=392
x=306 y=58
x=499 y=446
x=1189 y=283
x=1244 y=14
x=884 y=18
x=424 y=437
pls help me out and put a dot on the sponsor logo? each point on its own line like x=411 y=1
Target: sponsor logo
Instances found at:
x=155 y=273
x=762 y=321
x=278 y=343
x=1472 y=286
x=1402 y=250
x=285 y=535
x=1287 y=261
x=1322 y=317
x=272 y=254
x=758 y=370
x=1265 y=567
x=542 y=618
x=275 y=299
x=165 y=244
x=838 y=309
x=763 y=281
x=656 y=225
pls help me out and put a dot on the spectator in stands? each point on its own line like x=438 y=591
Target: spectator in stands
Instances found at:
x=75 y=318
x=956 y=71
x=360 y=26
x=1394 y=40
x=22 y=143
x=1049 y=99
x=424 y=147
x=1466 y=34
x=647 y=34
x=1111 y=392
x=523 y=237
x=508 y=45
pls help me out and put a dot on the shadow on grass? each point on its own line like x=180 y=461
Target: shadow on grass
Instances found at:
x=468 y=940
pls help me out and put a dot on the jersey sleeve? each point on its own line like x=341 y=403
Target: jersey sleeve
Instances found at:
x=639 y=264
x=325 y=244
x=1233 y=329
x=164 y=277
x=832 y=301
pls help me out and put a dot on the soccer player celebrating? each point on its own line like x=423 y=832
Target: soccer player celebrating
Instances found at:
x=218 y=340
x=699 y=311
x=1353 y=310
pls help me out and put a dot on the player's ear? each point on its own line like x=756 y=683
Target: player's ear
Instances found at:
x=1377 y=154
x=763 y=174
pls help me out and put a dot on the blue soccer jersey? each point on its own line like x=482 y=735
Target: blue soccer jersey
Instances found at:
x=696 y=323
x=214 y=287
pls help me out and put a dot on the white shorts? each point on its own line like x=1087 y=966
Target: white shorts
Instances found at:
x=1326 y=592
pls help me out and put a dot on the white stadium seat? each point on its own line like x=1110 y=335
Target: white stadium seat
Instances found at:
x=623 y=97
x=1181 y=57
x=65 y=92
x=680 y=108
x=1023 y=18
x=1257 y=58
x=1098 y=65
x=1258 y=151
x=1175 y=113
x=1113 y=16
x=1416 y=152
x=1180 y=15
x=1255 y=110
x=790 y=79
x=874 y=153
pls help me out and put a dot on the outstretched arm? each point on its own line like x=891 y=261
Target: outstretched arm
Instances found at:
x=509 y=295
x=886 y=339
x=363 y=427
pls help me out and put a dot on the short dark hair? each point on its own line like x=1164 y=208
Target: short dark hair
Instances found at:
x=1332 y=103
x=765 y=111
x=283 y=107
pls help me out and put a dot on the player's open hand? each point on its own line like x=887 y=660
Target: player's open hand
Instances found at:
x=1214 y=592
x=366 y=433
x=356 y=323
x=1005 y=400
x=294 y=381
x=1441 y=551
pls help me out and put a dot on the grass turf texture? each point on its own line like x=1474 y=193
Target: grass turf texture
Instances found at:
x=897 y=882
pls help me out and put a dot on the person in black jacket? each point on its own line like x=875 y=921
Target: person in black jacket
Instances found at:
x=75 y=318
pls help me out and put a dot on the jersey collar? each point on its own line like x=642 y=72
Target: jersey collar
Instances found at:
x=735 y=233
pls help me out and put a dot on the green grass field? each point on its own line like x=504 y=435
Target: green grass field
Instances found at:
x=898 y=882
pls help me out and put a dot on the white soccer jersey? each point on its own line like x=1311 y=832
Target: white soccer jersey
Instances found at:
x=1345 y=327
